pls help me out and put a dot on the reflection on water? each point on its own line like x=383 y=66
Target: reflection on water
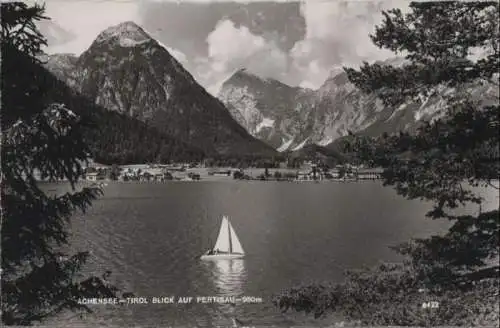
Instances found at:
x=228 y=276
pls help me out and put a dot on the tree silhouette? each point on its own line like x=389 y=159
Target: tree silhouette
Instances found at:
x=450 y=153
x=39 y=279
x=444 y=162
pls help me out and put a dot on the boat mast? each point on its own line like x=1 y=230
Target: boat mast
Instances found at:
x=229 y=233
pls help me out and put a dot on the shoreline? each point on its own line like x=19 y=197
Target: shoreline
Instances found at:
x=217 y=179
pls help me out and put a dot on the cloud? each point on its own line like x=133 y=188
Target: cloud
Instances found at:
x=87 y=21
x=337 y=33
x=231 y=48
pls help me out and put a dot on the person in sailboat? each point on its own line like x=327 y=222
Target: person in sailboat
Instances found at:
x=216 y=251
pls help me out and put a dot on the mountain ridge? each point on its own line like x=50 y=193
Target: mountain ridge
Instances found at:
x=128 y=71
x=335 y=109
x=113 y=138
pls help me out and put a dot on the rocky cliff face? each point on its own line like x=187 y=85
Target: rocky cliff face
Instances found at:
x=290 y=117
x=268 y=109
x=340 y=107
x=127 y=71
x=300 y=117
x=63 y=66
x=112 y=138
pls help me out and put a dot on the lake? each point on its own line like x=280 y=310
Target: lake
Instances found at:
x=150 y=235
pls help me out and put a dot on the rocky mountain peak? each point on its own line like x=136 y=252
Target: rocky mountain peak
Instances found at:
x=244 y=76
x=289 y=118
x=127 y=71
x=269 y=109
x=127 y=34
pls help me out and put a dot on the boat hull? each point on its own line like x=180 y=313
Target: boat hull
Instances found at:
x=222 y=257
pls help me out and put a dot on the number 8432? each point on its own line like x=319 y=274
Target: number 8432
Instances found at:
x=430 y=305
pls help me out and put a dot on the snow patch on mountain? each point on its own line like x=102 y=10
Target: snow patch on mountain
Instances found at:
x=429 y=110
x=265 y=123
x=301 y=145
x=397 y=110
x=285 y=145
x=127 y=42
x=337 y=107
x=325 y=141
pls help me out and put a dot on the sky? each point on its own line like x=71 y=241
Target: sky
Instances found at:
x=298 y=43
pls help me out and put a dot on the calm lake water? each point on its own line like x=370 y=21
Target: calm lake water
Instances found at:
x=149 y=236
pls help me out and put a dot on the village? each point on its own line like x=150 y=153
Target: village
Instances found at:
x=196 y=172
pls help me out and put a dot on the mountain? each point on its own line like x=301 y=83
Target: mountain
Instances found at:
x=359 y=112
x=270 y=110
x=54 y=33
x=288 y=118
x=340 y=107
x=324 y=115
x=126 y=71
x=111 y=136
x=62 y=66
x=325 y=153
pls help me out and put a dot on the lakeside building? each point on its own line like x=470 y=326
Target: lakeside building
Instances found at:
x=147 y=174
x=333 y=174
x=350 y=174
x=92 y=176
x=96 y=173
x=134 y=167
x=369 y=174
x=313 y=174
x=216 y=172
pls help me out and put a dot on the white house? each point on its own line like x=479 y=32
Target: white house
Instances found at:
x=92 y=176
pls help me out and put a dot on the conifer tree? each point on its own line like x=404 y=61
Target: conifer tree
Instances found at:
x=38 y=278
x=450 y=156
x=448 y=46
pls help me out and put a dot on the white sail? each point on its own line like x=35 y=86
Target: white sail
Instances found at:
x=227 y=246
x=235 y=242
x=222 y=243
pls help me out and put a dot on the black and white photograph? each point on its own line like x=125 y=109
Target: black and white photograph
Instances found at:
x=249 y=163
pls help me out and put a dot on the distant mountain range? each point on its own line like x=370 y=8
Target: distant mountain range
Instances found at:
x=288 y=118
x=127 y=71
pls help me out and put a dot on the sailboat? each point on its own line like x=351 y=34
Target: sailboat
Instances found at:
x=227 y=246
